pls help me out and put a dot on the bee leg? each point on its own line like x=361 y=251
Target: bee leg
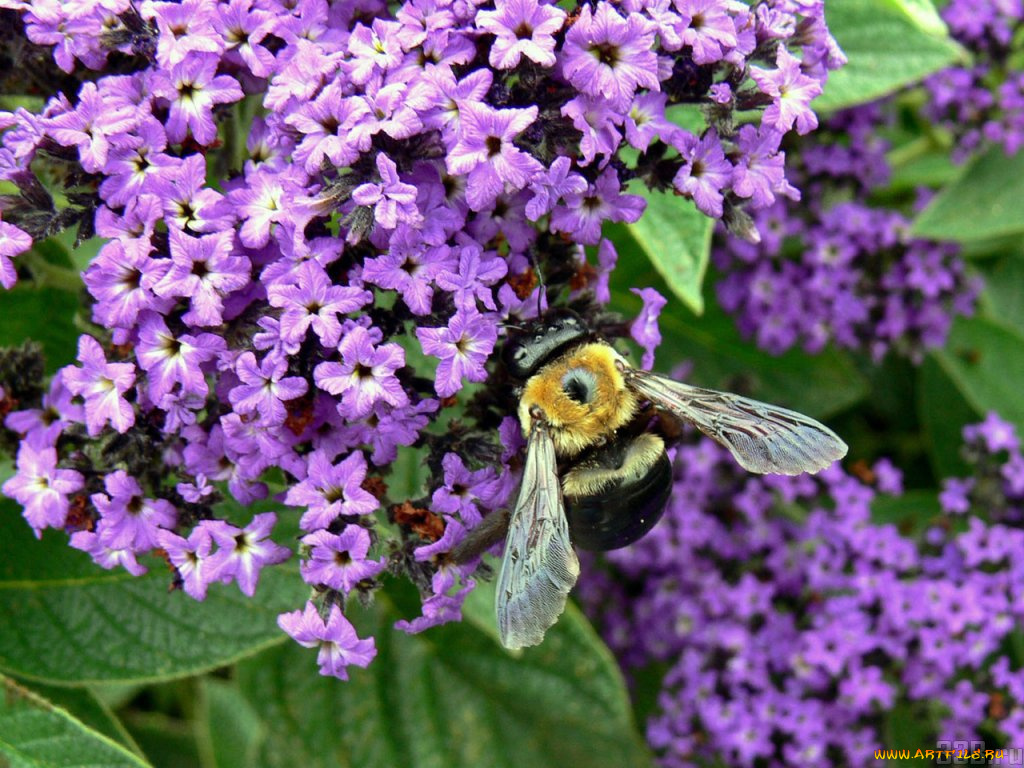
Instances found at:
x=491 y=530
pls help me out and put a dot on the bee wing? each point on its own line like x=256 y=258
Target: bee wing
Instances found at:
x=539 y=567
x=763 y=438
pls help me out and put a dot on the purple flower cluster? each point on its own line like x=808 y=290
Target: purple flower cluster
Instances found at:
x=411 y=170
x=846 y=272
x=984 y=100
x=791 y=623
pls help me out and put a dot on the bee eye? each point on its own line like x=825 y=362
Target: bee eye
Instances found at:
x=580 y=385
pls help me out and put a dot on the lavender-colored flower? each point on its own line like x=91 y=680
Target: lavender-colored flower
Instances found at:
x=203 y=269
x=90 y=125
x=645 y=328
x=310 y=300
x=193 y=89
x=393 y=200
x=264 y=388
x=705 y=172
x=127 y=519
x=170 y=362
x=336 y=638
x=462 y=347
x=365 y=376
x=485 y=154
x=103 y=386
x=243 y=552
x=191 y=558
x=12 y=242
x=521 y=28
x=557 y=183
x=473 y=278
x=440 y=607
x=331 y=490
x=186 y=29
x=339 y=561
x=603 y=201
x=39 y=486
x=707 y=28
x=791 y=92
x=104 y=553
x=608 y=56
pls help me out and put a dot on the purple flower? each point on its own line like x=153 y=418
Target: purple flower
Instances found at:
x=127 y=519
x=243 y=552
x=791 y=92
x=39 y=486
x=608 y=56
x=203 y=269
x=366 y=375
x=90 y=125
x=759 y=173
x=170 y=361
x=393 y=201
x=104 y=553
x=191 y=558
x=583 y=215
x=707 y=27
x=644 y=329
x=440 y=607
x=521 y=28
x=12 y=242
x=193 y=89
x=596 y=119
x=463 y=488
x=373 y=50
x=331 y=490
x=336 y=638
x=186 y=28
x=463 y=347
x=557 y=183
x=339 y=561
x=485 y=153
x=264 y=388
x=995 y=433
x=260 y=205
x=310 y=300
x=103 y=386
x=705 y=173
x=473 y=278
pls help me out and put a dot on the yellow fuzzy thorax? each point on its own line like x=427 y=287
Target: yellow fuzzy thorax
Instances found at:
x=575 y=426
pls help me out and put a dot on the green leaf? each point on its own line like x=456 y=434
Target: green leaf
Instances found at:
x=676 y=238
x=35 y=733
x=943 y=412
x=84 y=705
x=1003 y=297
x=985 y=360
x=45 y=315
x=923 y=14
x=168 y=741
x=230 y=731
x=910 y=512
x=450 y=697
x=889 y=44
x=66 y=620
x=981 y=204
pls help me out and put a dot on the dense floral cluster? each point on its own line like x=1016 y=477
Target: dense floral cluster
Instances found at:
x=410 y=171
x=836 y=269
x=792 y=622
x=984 y=100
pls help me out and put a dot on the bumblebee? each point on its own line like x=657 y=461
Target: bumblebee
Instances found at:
x=596 y=477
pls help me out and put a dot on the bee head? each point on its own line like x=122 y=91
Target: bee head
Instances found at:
x=541 y=341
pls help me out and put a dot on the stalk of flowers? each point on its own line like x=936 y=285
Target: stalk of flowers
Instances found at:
x=792 y=624
x=983 y=101
x=838 y=268
x=412 y=170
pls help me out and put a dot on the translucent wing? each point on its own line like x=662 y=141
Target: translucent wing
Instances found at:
x=539 y=567
x=763 y=438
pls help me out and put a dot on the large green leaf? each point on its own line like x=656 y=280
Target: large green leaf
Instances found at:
x=676 y=238
x=45 y=315
x=34 y=733
x=943 y=413
x=229 y=730
x=65 y=620
x=1003 y=297
x=889 y=44
x=450 y=697
x=981 y=204
x=985 y=361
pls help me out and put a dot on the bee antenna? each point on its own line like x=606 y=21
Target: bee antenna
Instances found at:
x=542 y=288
